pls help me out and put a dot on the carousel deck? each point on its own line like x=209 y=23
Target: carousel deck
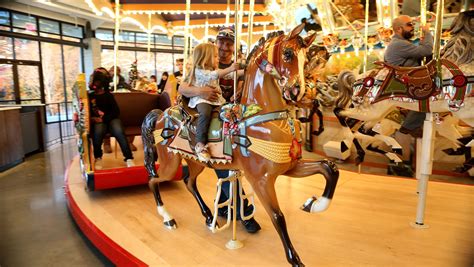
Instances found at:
x=367 y=224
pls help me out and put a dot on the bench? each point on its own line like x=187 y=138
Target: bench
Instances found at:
x=134 y=106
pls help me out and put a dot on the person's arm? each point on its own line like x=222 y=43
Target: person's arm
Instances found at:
x=206 y=92
x=424 y=49
x=222 y=72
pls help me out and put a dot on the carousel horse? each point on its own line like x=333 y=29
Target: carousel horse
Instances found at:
x=382 y=90
x=263 y=140
x=317 y=93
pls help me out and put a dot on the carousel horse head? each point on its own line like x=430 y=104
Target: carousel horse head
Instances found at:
x=284 y=58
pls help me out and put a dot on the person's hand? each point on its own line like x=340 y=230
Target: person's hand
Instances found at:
x=426 y=27
x=96 y=119
x=235 y=66
x=209 y=93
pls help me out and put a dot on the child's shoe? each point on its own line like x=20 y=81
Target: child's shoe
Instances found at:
x=202 y=153
x=130 y=163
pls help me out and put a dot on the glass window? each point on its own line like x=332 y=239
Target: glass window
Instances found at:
x=25 y=22
x=72 y=30
x=145 y=63
x=49 y=26
x=4 y=17
x=178 y=41
x=29 y=83
x=164 y=62
x=27 y=49
x=162 y=39
x=6 y=47
x=143 y=38
x=7 y=90
x=105 y=35
x=124 y=60
x=52 y=75
x=72 y=68
x=127 y=36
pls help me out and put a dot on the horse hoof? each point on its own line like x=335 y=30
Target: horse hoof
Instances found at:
x=314 y=204
x=171 y=224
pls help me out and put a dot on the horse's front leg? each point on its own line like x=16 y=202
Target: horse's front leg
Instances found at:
x=265 y=190
x=190 y=180
x=330 y=172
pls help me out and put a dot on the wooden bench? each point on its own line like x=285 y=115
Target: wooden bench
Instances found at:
x=134 y=106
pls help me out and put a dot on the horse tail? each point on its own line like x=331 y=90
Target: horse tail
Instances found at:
x=149 y=148
x=345 y=80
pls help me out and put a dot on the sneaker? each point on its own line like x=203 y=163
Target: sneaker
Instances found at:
x=130 y=163
x=98 y=164
x=202 y=153
x=251 y=226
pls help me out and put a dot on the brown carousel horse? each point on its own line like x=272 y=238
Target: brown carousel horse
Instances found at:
x=263 y=142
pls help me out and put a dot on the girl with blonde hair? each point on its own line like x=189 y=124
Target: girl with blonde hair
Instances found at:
x=205 y=72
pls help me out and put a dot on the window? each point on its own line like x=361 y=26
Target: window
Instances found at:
x=4 y=17
x=127 y=38
x=6 y=47
x=27 y=24
x=26 y=49
x=72 y=30
x=104 y=35
x=7 y=91
x=179 y=41
x=49 y=26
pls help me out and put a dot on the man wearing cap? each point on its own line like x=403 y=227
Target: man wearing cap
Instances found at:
x=225 y=45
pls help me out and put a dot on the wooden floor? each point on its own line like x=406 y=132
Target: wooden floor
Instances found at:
x=368 y=224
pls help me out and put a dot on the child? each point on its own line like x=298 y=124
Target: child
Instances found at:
x=204 y=72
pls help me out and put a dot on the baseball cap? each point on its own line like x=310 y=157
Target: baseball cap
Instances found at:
x=226 y=33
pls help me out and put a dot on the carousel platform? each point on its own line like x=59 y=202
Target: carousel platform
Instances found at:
x=368 y=223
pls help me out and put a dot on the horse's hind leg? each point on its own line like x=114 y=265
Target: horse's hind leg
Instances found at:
x=190 y=180
x=265 y=190
x=330 y=172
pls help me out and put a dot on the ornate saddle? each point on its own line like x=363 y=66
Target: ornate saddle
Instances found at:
x=420 y=82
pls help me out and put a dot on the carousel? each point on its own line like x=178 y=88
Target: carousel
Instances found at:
x=315 y=92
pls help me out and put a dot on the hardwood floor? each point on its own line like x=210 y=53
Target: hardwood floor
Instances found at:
x=367 y=224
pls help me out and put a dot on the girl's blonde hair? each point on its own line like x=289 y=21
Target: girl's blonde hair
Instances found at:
x=203 y=58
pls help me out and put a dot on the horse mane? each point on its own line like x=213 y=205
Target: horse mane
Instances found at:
x=460 y=46
x=344 y=81
x=261 y=41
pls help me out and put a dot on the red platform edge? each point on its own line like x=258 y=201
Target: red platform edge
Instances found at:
x=102 y=242
x=122 y=177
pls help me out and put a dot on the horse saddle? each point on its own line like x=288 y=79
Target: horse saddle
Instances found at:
x=183 y=141
x=190 y=116
x=419 y=81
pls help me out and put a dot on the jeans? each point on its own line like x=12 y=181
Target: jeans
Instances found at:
x=116 y=129
x=203 y=122
x=225 y=194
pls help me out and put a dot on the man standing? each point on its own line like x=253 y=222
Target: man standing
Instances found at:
x=402 y=52
x=225 y=45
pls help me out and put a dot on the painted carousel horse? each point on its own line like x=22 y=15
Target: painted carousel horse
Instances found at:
x=421 y=88
x=256 y=136
x=317 y=93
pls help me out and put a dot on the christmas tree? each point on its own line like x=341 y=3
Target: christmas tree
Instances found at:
x=133 y=75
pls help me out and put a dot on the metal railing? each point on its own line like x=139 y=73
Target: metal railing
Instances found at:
x=59 y=124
